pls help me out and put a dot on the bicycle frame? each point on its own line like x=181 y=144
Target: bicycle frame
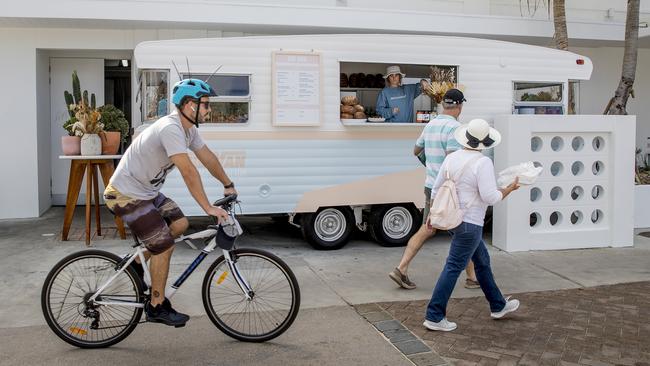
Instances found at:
x=211 y=233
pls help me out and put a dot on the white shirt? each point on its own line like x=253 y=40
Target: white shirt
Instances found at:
x=477 y=183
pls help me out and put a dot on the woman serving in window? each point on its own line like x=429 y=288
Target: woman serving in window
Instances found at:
x=395 y=102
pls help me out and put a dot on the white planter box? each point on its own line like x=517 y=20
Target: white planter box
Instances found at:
x=642 y=206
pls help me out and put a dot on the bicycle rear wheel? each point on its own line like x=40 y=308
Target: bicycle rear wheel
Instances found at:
x=69 y=285
x=275 y=296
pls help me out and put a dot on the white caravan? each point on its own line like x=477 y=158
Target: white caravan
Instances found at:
x=277 y=129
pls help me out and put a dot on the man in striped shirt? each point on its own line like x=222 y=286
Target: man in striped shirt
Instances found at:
x=435 y=142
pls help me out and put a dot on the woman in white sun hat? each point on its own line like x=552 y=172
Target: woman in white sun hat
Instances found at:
x=395 y=101
x=476 y=186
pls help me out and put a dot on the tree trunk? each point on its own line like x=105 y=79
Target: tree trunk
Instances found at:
x=617 y=105
x=559 y=21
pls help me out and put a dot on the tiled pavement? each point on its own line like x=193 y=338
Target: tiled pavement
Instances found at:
x=605 y=325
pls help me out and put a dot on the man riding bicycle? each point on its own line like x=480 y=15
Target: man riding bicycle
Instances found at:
x=133 y=191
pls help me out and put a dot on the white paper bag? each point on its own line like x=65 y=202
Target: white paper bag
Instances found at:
x=527 y=173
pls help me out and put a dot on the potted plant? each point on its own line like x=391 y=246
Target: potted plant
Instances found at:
x=116 y=129
x=84 y=119
x=70 y=144
x=88 y=126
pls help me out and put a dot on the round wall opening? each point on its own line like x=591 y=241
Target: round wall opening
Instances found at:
x=556 y=218
x=576 y=217
x=535 y=194
x=535 y=219
x=597 y=167
x=577 y=168
x=556 y=168
x=577 y=192
x=597 y=192
x=598 y=143
x=577 y=143
x=556 y=193
x=557 y=143
x=536 y=144
x=597 y=216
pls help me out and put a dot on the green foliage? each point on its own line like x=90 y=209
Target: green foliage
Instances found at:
x=67 y=125
x=76 y=88
x=68 y=101
x=74 y=102
x=114 y=120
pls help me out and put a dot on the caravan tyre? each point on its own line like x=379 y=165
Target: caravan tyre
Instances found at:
x=393 y=225
x=329 y=228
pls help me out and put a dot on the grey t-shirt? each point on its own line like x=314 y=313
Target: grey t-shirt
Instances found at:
x=145 y=164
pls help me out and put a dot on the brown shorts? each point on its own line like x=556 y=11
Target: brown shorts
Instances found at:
x=148 y=219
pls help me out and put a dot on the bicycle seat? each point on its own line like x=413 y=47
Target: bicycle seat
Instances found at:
x=225 y=200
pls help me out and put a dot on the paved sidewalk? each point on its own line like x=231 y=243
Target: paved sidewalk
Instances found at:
x=604 y=325
x=339 y=322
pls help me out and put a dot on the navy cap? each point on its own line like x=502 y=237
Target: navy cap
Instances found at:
x=454 y=96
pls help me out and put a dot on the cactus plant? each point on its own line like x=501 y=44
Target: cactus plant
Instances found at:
x=84 y=118
x=68 y=101
x=76 y=88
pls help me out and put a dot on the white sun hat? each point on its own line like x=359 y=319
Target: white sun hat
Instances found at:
x=478 y=135
x=390 y=70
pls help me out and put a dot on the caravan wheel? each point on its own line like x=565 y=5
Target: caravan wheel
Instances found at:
x=329 y=228
x=393 y=225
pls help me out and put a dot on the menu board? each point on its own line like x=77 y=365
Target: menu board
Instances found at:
x=296 y=88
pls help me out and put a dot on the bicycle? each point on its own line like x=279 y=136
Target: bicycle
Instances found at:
x=94 y=298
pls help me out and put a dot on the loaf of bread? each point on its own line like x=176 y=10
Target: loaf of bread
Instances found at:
x=347 y=109
x=347 y=116
x=358 y=108
x=360 y=115
x=349 y=100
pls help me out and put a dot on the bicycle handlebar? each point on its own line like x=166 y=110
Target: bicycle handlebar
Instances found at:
x=226 y=200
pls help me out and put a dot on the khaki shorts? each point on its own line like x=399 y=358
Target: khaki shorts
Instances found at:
x=148 y=219
x=427 y=204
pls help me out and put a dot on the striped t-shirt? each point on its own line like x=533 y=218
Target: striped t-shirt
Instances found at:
x=437 y=139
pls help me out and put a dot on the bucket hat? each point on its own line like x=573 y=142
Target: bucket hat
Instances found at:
x=390 y=70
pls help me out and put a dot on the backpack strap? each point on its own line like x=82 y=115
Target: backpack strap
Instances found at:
x=460 y=174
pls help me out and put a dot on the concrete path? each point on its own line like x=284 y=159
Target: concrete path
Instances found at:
x=328 y=330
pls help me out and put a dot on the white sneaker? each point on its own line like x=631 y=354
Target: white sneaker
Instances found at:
x=443 y=325
x=511 y=305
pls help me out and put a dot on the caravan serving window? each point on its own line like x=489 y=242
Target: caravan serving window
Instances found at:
x=154 y=91
x=538 y=97
x=232 y=103
x=362 y=82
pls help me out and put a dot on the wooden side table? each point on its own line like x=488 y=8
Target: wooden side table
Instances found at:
x=88 y=165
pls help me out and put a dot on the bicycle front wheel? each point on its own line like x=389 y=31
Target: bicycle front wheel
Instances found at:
x=81 y=322
x=274 y=298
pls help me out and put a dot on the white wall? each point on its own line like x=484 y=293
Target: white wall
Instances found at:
x=595 y=93
x=24 y=142
x=18 y=141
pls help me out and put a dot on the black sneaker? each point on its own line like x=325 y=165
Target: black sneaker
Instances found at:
x=164 y=313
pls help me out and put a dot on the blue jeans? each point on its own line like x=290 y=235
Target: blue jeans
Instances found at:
x=467 y=242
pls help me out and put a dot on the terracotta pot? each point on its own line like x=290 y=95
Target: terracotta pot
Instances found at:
x=91 y=144
x=110 y=142
x=71 y=145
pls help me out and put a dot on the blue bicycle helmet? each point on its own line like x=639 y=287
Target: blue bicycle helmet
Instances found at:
x=193 y=88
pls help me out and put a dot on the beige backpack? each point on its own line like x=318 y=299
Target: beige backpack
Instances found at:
x=445 y=213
